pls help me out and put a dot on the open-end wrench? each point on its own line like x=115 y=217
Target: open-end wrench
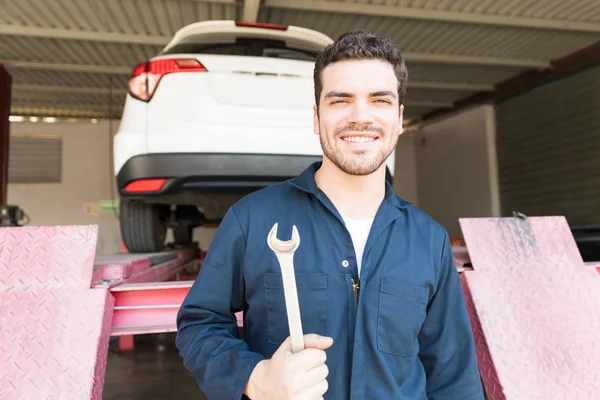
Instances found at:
x=284 y=250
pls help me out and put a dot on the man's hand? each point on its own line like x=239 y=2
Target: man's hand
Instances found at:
x=288 y=376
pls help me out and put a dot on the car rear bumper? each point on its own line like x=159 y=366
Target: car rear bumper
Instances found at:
x=208 y=173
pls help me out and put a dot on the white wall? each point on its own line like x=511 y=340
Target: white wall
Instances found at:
x=456 y=168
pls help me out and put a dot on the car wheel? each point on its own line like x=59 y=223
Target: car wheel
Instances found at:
x=183 y=234
x=143 y=226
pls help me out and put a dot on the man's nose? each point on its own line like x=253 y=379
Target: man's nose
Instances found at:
x=360 y=113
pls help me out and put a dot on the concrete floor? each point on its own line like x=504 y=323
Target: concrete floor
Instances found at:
x=152 y=371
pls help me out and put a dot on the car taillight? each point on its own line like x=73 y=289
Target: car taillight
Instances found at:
x=146 y=76
x=261 y=25
x=145 y=185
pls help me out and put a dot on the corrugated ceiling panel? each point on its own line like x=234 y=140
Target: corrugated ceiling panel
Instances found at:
x=566 y=10
x=75 y=51
x=24 y=76
x=477 y=40
x=147 y=17
x=548 y=141
x=162 y=18
x=442 y=37
x=458 y=73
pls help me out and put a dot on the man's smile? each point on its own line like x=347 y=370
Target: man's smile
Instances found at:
x=359 y=137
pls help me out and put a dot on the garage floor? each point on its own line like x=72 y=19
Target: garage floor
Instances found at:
x=152 y=371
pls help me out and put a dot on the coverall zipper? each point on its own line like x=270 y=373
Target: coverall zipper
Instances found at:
x=356 y=287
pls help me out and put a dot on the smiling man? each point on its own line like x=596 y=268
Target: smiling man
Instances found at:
x=380 y=298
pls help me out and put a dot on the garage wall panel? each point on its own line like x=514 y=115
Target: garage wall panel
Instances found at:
x=35 y=160
x=405 y=174
x=456 y=175
x=548 y=142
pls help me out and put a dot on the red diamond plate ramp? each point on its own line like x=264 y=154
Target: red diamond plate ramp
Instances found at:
x=534 y=307
x=54 y=328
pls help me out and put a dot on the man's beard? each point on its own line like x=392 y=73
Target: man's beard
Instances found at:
x=360 y=163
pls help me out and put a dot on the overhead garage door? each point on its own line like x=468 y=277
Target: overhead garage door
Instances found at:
x=548 y=143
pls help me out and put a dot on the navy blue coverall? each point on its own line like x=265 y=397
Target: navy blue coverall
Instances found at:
x=406 y=335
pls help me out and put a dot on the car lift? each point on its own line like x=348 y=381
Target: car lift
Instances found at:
x=532 y=301
x=148 y=289
x=534 y=307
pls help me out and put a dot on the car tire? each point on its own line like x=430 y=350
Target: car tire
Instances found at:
x=143 y=226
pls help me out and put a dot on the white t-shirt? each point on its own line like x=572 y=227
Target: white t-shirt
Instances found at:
x=359 y=230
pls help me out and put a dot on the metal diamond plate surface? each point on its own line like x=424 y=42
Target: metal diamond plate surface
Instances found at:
x=54 y=329
x=534 y=309
x=33 y=258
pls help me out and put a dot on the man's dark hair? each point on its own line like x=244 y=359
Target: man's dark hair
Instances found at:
x=361 y=45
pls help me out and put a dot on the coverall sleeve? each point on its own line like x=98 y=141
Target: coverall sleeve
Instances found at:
x=207 y=338
x=447 y=349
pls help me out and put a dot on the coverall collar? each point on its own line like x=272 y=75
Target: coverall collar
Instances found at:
x=391 y=208
x=306 y=182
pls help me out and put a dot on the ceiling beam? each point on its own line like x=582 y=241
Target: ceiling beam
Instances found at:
x=459 y=86
x=40 y=104
x=228 y=2
x=435 y=15
x=231 y=2
x=68 y=89
x=74 y=34
x=475 y=60
x=98 y=69
x=163 y=40
x=61 y=111
x=428 y=104
x=250 y=11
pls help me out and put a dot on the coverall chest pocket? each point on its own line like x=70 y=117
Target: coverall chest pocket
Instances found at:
x=402 y=311
x=312 y=297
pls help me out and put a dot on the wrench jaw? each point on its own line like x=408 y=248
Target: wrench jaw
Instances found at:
x=284 y=251
x=283 y=246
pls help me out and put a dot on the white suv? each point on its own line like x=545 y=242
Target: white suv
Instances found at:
x=224 y=109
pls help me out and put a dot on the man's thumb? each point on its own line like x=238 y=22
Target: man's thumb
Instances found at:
x=312 y=340
x=285 y=347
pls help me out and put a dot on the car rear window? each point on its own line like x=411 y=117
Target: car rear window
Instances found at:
x=245 y=47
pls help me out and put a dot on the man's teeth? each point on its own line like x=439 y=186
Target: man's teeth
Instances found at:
x=360 y=139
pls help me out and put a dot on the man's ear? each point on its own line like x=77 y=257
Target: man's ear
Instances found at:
x=316 y=128
x=401 y=125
